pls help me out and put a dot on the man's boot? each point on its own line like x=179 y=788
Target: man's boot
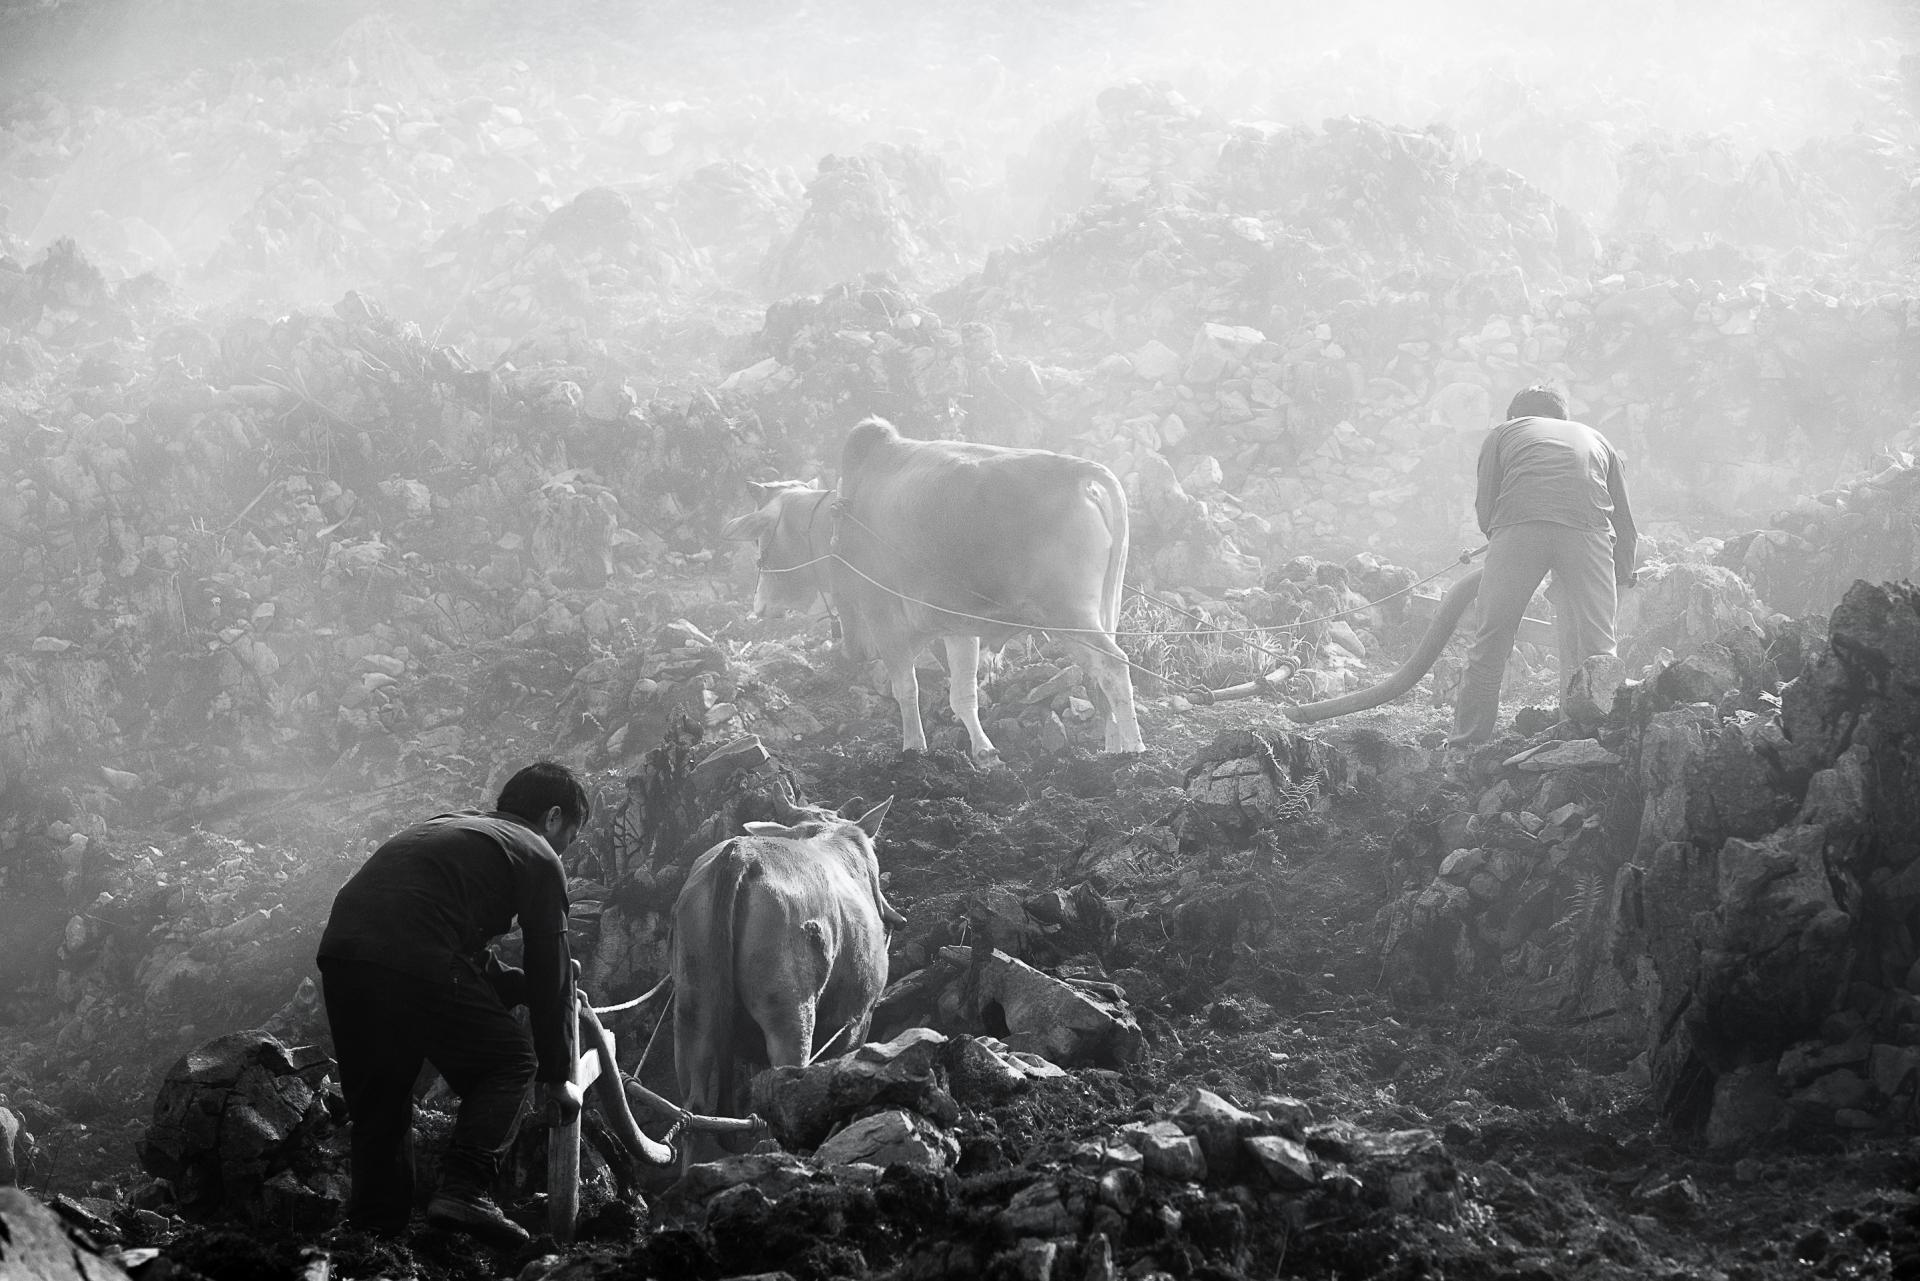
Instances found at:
x=460 y=1206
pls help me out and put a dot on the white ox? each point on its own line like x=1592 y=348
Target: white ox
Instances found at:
x=779 y=936
x=949 y=539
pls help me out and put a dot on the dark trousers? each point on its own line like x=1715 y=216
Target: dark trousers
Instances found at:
x=1583 y=595
x=385 y=1025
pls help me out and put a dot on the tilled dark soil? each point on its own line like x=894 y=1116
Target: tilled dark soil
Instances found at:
x=1560 y=1168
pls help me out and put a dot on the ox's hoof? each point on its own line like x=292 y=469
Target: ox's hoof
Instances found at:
x=989 y=759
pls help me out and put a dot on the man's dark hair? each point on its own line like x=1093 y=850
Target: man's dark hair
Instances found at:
x=1538 y=402
x=541 y=786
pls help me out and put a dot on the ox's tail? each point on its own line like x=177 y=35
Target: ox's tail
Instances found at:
x=729 y=904
x=1112 y=501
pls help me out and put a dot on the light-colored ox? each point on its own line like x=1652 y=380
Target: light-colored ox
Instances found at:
x=779 y=950
x=949 y=539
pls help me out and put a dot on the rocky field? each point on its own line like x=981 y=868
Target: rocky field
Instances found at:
x=376 y=378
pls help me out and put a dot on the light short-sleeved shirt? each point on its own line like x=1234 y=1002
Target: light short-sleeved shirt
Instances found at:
x=1546 y=469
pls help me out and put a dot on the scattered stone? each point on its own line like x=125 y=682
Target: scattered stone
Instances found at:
x=1037 y=1210
x=1462 y=866
x=984 y=1068
x=1843 y=1088
x=1671 y=1198
x=1123 y=1186
x=891 y=1138
x=1593 y=687
x=1579 y=753
x=773 y=1174
x=1292 y=1115
x=1704 y=676
x=1154 y=360
x=1803 y=1062
x=35 y=1243
x=1498 y=799
x=1287 y=1163
x=1892 y=1068
x=802 y=1105
x=1066 y=1023
x=1747 y=1103
x=1219 y=1127
x=1168 y=1150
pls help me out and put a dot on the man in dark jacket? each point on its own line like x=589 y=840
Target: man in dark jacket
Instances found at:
x=409 y=976
x=1551 y=498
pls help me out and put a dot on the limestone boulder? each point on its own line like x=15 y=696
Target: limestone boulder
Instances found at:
x=35 y=1243
x=803 y=1105
x=1244 y=781
x=979 y=991
x=1287 y=1164
x=1681 y=606
x=1576 y=753
x=1219 y=1127
x=894 y=1137
x=772 y=1174
x=1592 y=688
x=1746 y=952
x=1705 y=779
x=1705 y=676
x=1167 y=1150
x=240 y=1111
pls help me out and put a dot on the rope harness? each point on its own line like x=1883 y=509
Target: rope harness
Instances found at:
x=1240 y=633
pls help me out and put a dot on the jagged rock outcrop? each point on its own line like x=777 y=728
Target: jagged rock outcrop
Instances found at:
x=247 y=1128
x=1766 y=917
x=983 y=991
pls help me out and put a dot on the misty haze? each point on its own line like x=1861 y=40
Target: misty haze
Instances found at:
x=1155 y=640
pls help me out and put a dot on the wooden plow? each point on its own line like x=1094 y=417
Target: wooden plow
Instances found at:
x=597 y=1074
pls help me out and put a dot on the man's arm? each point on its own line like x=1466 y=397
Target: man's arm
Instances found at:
x=1487 y=490
x=549 y=969
x=1626 y=539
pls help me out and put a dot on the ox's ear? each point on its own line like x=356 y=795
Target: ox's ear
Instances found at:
x=870 y=821
x=767 y=829
x=748 y=527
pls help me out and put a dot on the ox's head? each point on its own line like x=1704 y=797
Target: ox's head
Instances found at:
x=793 y=525
x=864 y=829
x=817 y=820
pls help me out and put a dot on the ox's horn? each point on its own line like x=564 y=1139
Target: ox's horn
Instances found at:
x=870 y=821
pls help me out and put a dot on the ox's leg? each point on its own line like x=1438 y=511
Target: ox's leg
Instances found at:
x=906 y=692
x=696 y=1064
x=1108 y=666
x=963 y=694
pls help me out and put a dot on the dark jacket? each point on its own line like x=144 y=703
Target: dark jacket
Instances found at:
x=431 y=901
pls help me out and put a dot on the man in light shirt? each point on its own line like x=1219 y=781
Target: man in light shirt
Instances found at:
x=1552 y=498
